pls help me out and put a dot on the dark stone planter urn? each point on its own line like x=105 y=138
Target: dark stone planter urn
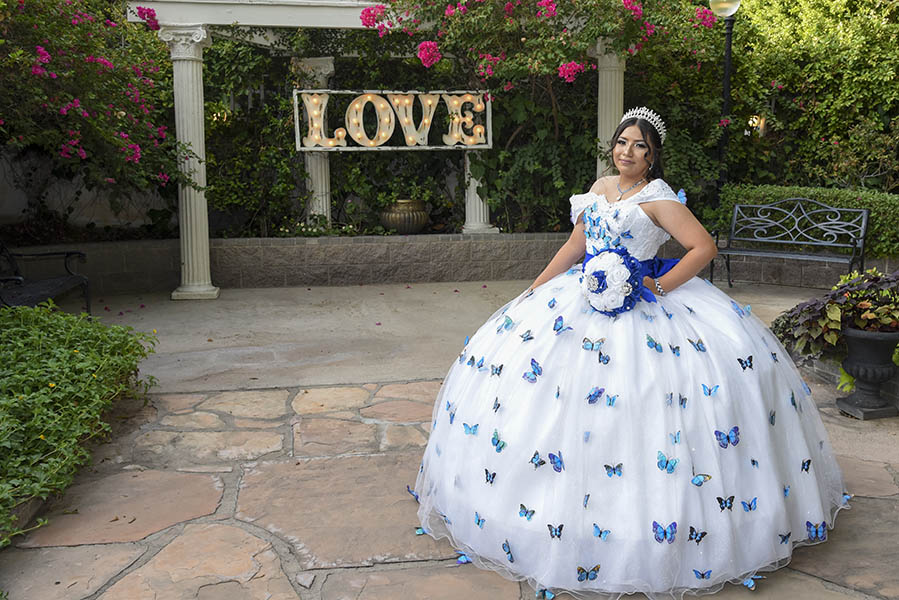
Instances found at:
x=870 y=361
x=405 y=216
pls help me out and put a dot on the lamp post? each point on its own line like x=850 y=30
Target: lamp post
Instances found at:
x=725 y=9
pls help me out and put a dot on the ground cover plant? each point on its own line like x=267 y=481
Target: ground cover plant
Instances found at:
x=58 y=373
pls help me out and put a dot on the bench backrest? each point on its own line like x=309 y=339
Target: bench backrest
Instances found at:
x=8 y=265
x=800 y=221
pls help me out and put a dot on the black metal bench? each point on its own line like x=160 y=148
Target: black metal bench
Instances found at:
x=782 y=229
x=16 y=290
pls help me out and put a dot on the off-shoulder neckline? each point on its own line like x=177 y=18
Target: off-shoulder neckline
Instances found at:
x=628 y=199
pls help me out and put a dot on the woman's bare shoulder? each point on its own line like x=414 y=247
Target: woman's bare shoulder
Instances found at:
x=599 y=186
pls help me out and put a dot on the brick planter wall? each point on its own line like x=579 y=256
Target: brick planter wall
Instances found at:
x=154 y=265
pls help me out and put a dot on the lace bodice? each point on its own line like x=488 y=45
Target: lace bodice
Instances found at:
x=614 y=224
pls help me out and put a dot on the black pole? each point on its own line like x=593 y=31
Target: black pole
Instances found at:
x=725 y=105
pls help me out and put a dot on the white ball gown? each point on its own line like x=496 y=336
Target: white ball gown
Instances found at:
x=666 y=450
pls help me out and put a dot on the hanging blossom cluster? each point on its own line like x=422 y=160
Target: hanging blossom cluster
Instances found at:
x=704 y=17
x=429 y=54
x=100 y=61
x=148 y=15
x=43 y=58
x=73 y=144
x=486 y=64
x=371 y=15
x=547 y=8
x=569 y=71
x=635 y=8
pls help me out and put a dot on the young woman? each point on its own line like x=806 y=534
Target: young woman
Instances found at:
x=623 y=426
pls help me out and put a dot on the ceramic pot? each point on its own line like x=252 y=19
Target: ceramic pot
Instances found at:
x=405 y=216
x=870 y=361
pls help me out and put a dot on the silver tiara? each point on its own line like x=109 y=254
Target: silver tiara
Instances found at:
x=647 y=115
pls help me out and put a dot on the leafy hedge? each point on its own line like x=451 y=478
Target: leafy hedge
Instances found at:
x=883 y=224
x=58 y=373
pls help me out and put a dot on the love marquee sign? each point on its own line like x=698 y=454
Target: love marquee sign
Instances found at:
x=464 y=120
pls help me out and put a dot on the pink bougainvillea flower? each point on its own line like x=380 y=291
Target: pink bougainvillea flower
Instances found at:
x=569 y=71
x=450 y=10
x=148 y=15
x=371 y=15
x=42 y=55
x=429 y=54
x=509 y=85
x=548 y=8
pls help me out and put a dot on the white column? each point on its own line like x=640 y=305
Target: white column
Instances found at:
x=186 y=44
x=315 y=72
x=477 y=213
x=610 y=96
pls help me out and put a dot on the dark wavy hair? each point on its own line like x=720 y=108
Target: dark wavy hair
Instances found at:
x=651 y=137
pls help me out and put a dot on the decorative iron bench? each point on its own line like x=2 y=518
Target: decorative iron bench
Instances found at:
x=16 y=290
x=782 y=228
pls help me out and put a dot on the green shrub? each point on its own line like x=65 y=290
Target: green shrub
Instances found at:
x=58 y=373
x=883 y=224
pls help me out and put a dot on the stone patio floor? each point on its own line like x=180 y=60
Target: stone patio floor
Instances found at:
x=273 y=465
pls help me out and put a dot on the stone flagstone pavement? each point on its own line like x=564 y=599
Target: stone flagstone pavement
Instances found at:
x=299 y=492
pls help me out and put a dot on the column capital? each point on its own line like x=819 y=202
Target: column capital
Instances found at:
x=315 y=71
x=185 y=42
x=606 y=60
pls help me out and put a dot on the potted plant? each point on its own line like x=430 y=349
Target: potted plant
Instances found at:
x=857 y=322
x=402 y=208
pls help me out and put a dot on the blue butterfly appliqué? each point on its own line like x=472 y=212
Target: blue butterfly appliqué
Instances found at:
x=536 y=371
x=603 y=358
x=702 y=574
x=413 y=493
x=508 y=550
x=496 y=370
x=816 y=533
x=555 y=531
x=806 y=464
x=663 y=533
x=751 y=505
x=490 y=476
x=682 y=196
x=559 y=325
x=470 y=429
x=543 y=594
x=710 y=391
x=526 y=336
x=551 y=303
x=772 y=416
x=537 y=461
x=674 y=349
x=595 y=395
x=583 y=574
x=786 y=491
x=698 y=345
x=785 y=537
x=675 y=437
x=586 y=500
x=586 y=436
x=667 y=314
x=745 y=363
x=654 y=345
x=616 y=470
x=589 y=344
x=462 y=559
x=478 y=520
x=749 y=582
x=610 y=400
x=699 y=479
x=667 y=464
x=556 y=462
x=506 y=325
x=682 y=400
x=496 y=404
x=524 y=512
x=498 y=444
x=696 y=535
x=727 y=503
x=600 y=532
x=732 y=437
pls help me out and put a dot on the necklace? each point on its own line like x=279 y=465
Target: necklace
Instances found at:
x=622 y=193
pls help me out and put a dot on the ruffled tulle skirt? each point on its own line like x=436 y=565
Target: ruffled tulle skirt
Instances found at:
x=665 y=451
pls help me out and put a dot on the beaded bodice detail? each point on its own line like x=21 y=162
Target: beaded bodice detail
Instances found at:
x=623 y=223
